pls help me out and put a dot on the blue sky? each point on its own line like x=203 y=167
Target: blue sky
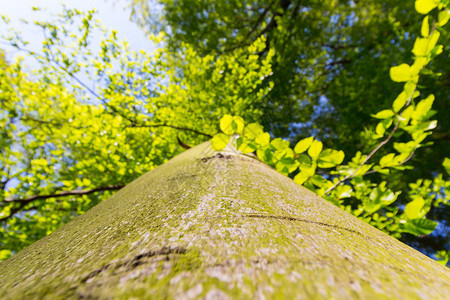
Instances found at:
x=112 y=14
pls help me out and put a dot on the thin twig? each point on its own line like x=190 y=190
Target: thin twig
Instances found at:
x=67 y=193
x=170 y=126
x=369 y=156
x=404 y=161
x=103 y=100
x=385 y=141
x=56 y=124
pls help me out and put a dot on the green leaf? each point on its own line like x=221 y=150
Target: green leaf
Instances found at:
x=443 y=17
x=226 y=124
x=286 y=154
x=253 y=130
x=238 y=124
x=279 y=144
x=301 y=177
x=418 y=138
x=381 y=170
x=303 y=145
x=430 y=125
x=443 y=261
x=304 y=159
x=404 y=147
x=446 y=165
x=379 y=130
x=417 y=66
x=406 y=115
x=400 y=101
x=382 y=126
x=422 y=108
x=39 y=163
x=86 y=182
x=384 y=114
x=4 y=254
x=245 y=146
x=419 y=226
x=309 y=170
x=315 y=149
x=387 y=160
x=425 y=6
x=219 y=141
x=379 y=197
x=286 y=166
x=425 y=30
x=265 y=155
x=437 y=50
x=370 y=206
x=413 y=208
x=421 y=47
x=320 y=182
x=263 y=139
x=433 y=39
x=343 y=191
x=400 y=73
x=410 y=87
x=330 y=158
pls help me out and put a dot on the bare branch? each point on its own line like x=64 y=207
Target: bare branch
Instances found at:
x=369 y=156
x=92 y=92
x=384 y=142
x=170 y=126
x=404 y=161
x=23 y=202
x=67 y=193
x=180 y=142
x=74 y=77
x=258 y=21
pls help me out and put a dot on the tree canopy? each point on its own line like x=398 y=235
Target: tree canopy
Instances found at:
x=299 y=69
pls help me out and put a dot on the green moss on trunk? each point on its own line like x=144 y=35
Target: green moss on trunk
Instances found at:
x=208 y=225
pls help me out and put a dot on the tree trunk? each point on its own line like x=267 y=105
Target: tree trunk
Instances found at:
x=219 y=225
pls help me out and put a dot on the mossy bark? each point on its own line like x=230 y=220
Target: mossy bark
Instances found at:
x=208 y=225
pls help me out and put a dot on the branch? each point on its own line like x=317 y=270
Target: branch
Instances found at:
x=56 y=124
x=375 y=150
x=67 y=193
x=103 y=100
x=170 y=126
x=244 y=42
x=260 y=18
x=272 y=24
x=24 y=202
x=404 y=161
x=74 y=77
x=385 y=141
x=180 y=142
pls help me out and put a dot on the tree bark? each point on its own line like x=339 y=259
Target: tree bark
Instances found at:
x=219 y=225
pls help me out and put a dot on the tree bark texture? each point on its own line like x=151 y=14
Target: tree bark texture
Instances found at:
x=219 y=226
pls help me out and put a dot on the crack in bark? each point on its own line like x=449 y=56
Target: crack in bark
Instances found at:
x=136 y=260
x=300 y=220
